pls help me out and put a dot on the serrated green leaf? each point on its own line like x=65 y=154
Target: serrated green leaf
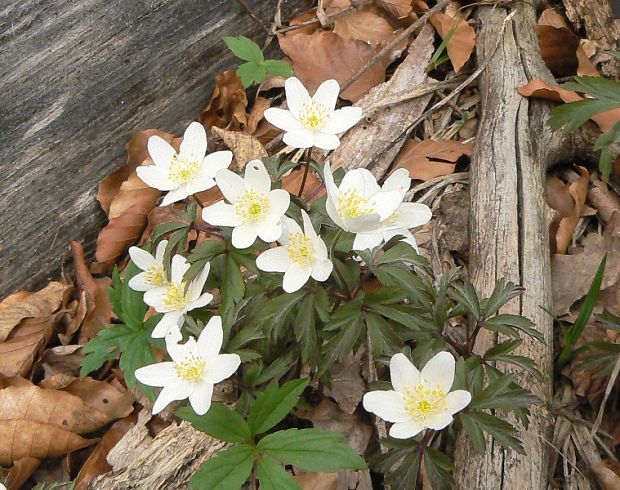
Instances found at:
x=502 y=293
x=502 y=348
x=165 y=228
x=403 y=253
x=599 y=87
x=305 y=329
x=245 y=48
x=382 y=337
x=233 y=286
x=275 y=403
x=251 y=73
x=513 y=322
x=278 y=68
x=503 y=432
x=438 y=468
x=385 y=296
x=206 y=251
x=474 y=431
x=341 y=344
x=467 y=296
x=227 y=470
x=138 y=352
x=273 y=477
x=502 y=393
x=220 y=422
x=272 y=315
x=105 y=346
x=312 y=450
x=132 y=303
x=393 y=275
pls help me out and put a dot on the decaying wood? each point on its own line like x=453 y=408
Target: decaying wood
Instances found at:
x=77 y=77
x=509 y=234
x=367 y=142
x=166 y=462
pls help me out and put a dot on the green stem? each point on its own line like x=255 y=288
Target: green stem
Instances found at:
x=306 y=170
x=332 y=248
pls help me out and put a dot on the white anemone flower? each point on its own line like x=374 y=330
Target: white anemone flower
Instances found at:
x=254 y=210
x=407 y=215
x=420 y=400
x=177 y=298
x=186 y=172
x=313 y=121
x=153 y=274
x=195 y=367
x=359 y=205
x=303 y=254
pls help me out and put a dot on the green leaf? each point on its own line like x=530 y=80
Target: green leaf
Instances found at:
x=502 y=393
x=272 y=316
x=134 y=307
x=571 y=336
x=115 y=294
x=165 y=228
x=382 y=337
x=278 y=68
x=136 y=353
x=474 y=431
x=220 y=422
x=393 y=275
x=508 y=324
x=275 y=403
x=273 y=477
x=312 y=450
x=503 y=432
x=245 y=48
x=342 y=343
x=105 y=346
x=403 y=253
x=279 y=367
x=467 y=296
x=251 y=73
x=599 y=87
x=227 y=470
x=206 y=251
x=385 y=296
x=438 y=468
x=502 y=293
x=233 y=286
x=305 y=329
x=603 y=143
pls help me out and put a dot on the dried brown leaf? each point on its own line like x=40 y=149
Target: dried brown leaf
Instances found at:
x=365 y=23
x=567 y=225
x=463 y=40
x=347 y=386
x=428 y=159
x=604 y=200
x=244 y=146
x=558 y=47
x=20 y=472
x=398 y=8
x=317 y=481
x=228 y=103
x=558 y=196
x=607 y=473
x=322 y=55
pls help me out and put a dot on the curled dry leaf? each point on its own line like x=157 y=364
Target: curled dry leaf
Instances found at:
x=566 y=227
x=312 y=190
x=322 y=55
x=605 y=201
x=317 y=481
x=347 y=386
x=244 y=146
x=398 y=8
x=545 y=90
x=228 y=103
x=607 y=473
x=463 y=40
x=62 y=359
x=20 y=472
x=428 y=159
x=366 y=23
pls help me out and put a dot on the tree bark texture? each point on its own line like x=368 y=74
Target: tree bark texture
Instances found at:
x=77 y=77
x=509 y=232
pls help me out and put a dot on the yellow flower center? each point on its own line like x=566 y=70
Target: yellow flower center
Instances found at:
x=352 y=205
x=422 y=402
x=300 y=249
x=175 y=298
x=192 y=369
x=183 y=170
x=313 y=115
x=252 y=206
x=155 y=276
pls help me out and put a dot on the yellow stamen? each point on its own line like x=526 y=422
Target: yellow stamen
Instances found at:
x=192 y=369
x=352 y=205
x=155 y=276
x=175 y=298
x=183 y=170
x=422 y=402
x=313 y=115
x=300 y=249
x=252 y=206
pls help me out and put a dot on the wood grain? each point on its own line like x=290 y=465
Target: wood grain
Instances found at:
x=77 y=77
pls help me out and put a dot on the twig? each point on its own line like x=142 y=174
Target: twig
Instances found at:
x=393 y=43
x=608 y=388
x=307 y=155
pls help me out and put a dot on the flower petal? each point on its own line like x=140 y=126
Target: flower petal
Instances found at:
x=366 y=223
x=141 y=258
x=367 y=241
x=180 y=352
x=168 y=321
x=170 y=393
x=256 y=177
x=174 y=196
x=361 y=181
x=389 y=405
x=270 y=231
x=399 y=180
x=405 y=430
x=403 y=373
x=160 y=151
x=283 y=119
x=178 y=268
x=326 y=141
x=139 y=282
x=159 y=374
x=214 y=162
x=289 y=226
x=439 y=371
x=296 y=95
x=244 y=236
x=457 y=400
x=200 y=399
x=327 y=94
x=279 y=201
x=412 y=214
x=201 y=183
x=194 y=144
x=221 y=214
x=386 y=203
x=308 y=228
x=274 y=260
x=342 y=120
x=211 y=338
x=200 y=302
x=155 y=177
x=195 y=287
x=295 y=277
x=222 y=366
x=230 y=184
x=299 y=139
x=322 y=269
x=439 y=421
x=160 y=251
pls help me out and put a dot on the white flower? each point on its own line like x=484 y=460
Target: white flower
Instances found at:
x=312 y=121
x=359 y=205
x=302 y=254
x=177 y=298
x=407 y=215
x=255 y=209
x=194 y=369
x=186 y=172
x=420 y=400
x=153 y=275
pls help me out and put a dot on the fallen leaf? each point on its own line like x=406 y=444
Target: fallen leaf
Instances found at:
x=548 y=91
x=558 y=48
x=317 y=481
x=428 y=159
x=132 y=192
x=398 y=8
x=322 y=55
x=62 y=359
x=244 y=146
x=35 y=305
x=365 y=23
x=558 y=196
x=567 y=225
x=228 y=103
x=313 y=188
x=463 y=40
x=605 y=201
x=347 y=386
x=607 y=473
x=20 y=472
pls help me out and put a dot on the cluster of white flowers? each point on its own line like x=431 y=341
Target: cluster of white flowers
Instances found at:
x=254 y=210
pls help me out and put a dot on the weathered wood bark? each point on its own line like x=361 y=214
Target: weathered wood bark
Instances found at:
x=77 y=78
x=509 y=232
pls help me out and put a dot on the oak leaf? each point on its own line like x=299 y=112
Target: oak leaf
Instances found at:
x=428 y=159
x=244 y=146
x=462 y=42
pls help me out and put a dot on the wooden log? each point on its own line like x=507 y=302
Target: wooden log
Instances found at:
x=509 y=232
x=77 y=77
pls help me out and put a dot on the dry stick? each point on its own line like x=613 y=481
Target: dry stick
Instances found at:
x=451 y=95
x=393 y=43
x=608 y=388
